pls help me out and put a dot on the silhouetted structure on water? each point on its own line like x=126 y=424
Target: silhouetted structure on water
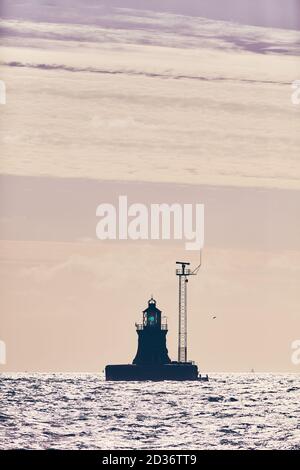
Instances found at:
x=152 y=361
x=152 y=346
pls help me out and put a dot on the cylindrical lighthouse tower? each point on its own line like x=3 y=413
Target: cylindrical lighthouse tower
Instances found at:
x=152 y=347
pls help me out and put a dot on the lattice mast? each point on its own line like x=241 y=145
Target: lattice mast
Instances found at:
x=183 y=273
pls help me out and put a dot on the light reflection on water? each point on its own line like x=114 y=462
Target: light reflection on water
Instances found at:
x=82 y=411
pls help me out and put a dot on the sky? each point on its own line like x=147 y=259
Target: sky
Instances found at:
x=168 y=102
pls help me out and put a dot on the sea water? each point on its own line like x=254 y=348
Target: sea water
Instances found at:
x=82 y=411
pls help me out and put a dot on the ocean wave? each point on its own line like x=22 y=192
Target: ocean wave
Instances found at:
x=229 y=413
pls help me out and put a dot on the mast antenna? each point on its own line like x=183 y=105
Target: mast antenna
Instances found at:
x=183 y=273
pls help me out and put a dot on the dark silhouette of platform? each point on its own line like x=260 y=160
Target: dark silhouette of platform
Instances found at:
x=152 y=361
x=172 y=371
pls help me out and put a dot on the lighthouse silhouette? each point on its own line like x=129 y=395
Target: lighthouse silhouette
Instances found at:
x=152 y=360
x=152 y=347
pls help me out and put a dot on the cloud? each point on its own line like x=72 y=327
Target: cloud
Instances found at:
x=72 y=265
x=169 y=90
x=134 y=73
x=128 y=26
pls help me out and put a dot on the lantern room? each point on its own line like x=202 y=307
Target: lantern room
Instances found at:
x=152 y=315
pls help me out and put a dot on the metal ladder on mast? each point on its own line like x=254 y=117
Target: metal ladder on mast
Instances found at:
x=183 y=272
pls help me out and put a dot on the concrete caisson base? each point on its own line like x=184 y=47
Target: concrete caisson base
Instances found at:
x=173 y=371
